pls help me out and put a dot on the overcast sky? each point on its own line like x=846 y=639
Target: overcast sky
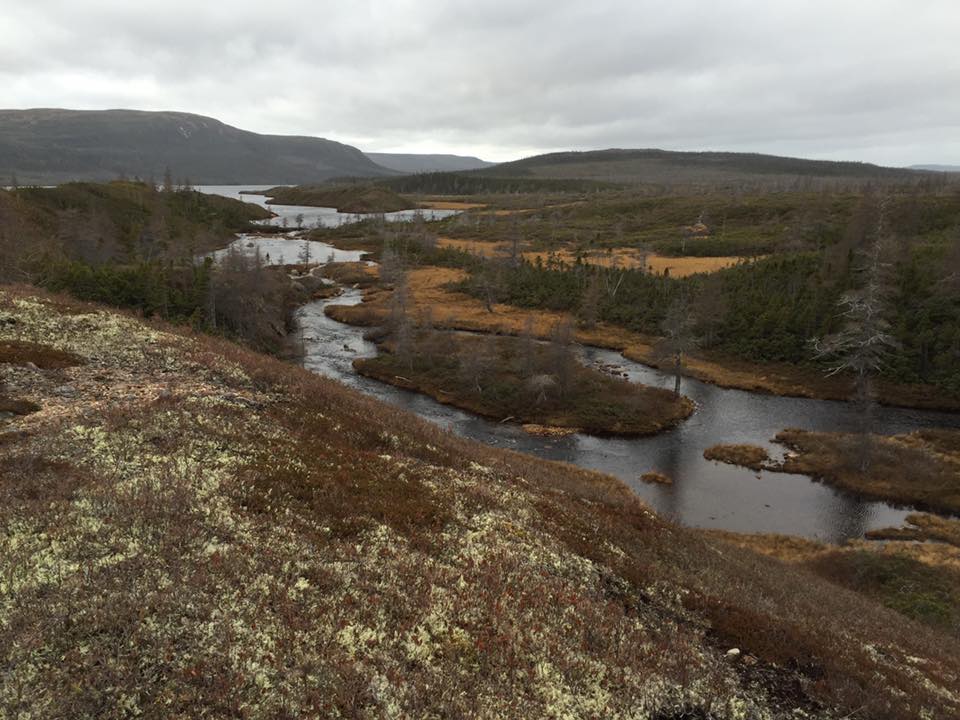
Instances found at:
x=877 y=80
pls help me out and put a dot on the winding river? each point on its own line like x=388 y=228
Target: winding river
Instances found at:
x=704 y=493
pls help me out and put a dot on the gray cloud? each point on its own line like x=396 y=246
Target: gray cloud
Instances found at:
x=876 y=81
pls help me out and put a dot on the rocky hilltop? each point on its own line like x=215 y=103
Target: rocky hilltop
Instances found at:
x=191 y=529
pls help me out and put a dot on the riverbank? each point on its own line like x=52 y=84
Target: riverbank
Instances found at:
x=522 y=381
x=919 y=469
x=427 y=287
x=629 y=258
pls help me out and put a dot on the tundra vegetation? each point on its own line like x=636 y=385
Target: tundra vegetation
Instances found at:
x=190 y=528
x=920 y=469
x=920 y=580
x=749 y=456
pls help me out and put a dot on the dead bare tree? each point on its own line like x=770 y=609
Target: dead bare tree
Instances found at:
x=476 y=361
x=528 y=348
x=401 y=326
x=863 y=344
x=562 y=363
x=678 y=338
x=589 y=311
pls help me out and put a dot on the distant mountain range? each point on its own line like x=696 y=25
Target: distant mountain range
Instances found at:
x=50 y=146
x=411 y=163
x=937 y=168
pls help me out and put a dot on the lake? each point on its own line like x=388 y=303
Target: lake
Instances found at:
x=312 y=216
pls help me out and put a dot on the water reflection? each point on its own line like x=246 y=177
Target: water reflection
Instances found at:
x=310 y=217
x=287 y=249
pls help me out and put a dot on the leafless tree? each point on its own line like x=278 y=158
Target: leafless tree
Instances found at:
x=562 y=363
x=249 y=299
x=864 y=342
x=476 y=361
x=589 y=311
x=488 y=283
x=304 y=256
x=709 y=308
x=540 y=387
x=391 y=265
x=401 y=326
x=678 y=338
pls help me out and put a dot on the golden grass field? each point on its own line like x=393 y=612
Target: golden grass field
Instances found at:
x=450 y=205
x=627 y=258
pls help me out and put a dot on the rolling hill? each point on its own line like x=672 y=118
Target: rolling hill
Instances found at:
x=937 y=168
x=665 y=166
x=48 y=146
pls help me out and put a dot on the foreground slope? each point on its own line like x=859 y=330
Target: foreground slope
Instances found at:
x=189 y=529
x=47 y=146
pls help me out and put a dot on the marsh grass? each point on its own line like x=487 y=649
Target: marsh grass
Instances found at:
x=921 y=470
x=748 y=456
x=526 y=382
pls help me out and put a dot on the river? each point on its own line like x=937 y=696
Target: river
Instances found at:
x=704 y=494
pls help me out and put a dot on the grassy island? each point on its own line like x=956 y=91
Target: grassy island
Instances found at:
x=519 y=379
x=345 y=198
x=748 y=456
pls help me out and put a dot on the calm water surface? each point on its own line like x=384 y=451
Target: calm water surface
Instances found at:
x=312 y=216
x=704 y=494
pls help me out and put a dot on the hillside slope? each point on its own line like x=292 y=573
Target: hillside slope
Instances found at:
x=189 y=529
x=47 y=146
